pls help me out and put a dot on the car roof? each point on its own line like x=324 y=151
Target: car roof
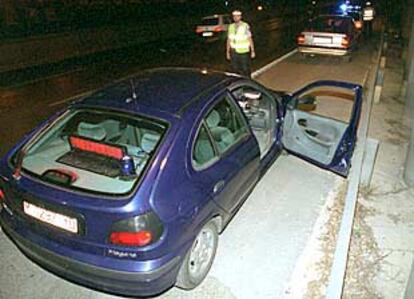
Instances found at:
x=216 y=16
x=335 y=16
x=169 y=90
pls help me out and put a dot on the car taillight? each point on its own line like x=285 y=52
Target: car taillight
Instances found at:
x=136 y=231
x=358 y=24
x=199 y=30
x=301 y=39
x=139 y=239
x=345 y=42
x=218 y=29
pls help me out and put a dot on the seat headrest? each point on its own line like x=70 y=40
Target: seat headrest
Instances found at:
x=92 y=131
x=149 y=141
x=213 y=119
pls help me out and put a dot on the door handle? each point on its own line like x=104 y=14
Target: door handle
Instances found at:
x=303 y=122
x=218 y=186
x=311 y=132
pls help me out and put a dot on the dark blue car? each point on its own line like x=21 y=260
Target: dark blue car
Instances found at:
x=127 y=189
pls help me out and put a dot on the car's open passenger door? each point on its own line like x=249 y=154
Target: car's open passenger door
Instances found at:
x=321 y=122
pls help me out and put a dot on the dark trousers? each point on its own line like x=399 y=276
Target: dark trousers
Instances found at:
x=240 y=63
x=368 y=28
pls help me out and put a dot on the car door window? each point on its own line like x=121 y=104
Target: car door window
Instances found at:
x=226 y=124
x=203 y=152
x=260 y=110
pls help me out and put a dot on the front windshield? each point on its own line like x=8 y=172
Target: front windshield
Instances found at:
x=88 y=146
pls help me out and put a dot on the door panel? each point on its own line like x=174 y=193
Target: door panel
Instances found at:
x=317 y=136
x=326 y=135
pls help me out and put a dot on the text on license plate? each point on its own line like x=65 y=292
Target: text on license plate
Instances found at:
x=64 y=222
x=322 y=40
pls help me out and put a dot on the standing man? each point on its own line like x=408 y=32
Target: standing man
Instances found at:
x=240 y=46
x=368 y=17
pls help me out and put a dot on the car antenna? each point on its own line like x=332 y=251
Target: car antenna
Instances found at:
x=134 y=96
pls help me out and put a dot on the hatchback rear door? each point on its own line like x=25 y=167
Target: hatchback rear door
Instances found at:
x=321 y=122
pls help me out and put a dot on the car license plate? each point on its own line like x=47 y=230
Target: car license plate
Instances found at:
x=206 y=34
x=58 y=220
x=322 y=40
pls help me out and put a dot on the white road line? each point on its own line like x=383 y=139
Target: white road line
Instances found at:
x=272 y=64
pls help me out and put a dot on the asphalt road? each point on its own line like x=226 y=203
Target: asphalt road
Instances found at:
x=260 y=248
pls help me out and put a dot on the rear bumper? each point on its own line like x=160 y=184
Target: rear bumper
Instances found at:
x=109 y=280
x=323 y=51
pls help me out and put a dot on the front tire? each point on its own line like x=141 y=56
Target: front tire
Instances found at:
x=199 y=258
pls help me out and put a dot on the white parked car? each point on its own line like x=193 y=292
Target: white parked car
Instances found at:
x=213 y=26
x=334 y=35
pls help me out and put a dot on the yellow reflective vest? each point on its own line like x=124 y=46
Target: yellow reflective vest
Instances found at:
x=239 y=37
x=369 y=14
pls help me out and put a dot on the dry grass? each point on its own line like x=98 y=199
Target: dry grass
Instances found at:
x=364 y=255
x=364 y=259
x=316 y=288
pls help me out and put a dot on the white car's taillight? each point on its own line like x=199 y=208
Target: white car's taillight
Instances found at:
x=300 y=39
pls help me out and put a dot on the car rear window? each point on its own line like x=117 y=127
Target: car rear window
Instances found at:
x=330 y=24
x=87 y=149
x=355 y=15
x=210 y=21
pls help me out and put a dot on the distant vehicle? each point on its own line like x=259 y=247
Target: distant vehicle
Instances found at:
x=127 y=189
x=213 y=26
x=334 y=35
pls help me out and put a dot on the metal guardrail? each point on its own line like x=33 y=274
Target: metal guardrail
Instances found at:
x=338 y=270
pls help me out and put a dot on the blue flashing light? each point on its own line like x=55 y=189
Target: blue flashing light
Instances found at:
x=344 y=7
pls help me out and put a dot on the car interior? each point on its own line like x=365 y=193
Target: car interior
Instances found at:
x=219 y=130
x=258 y=108
x=226 y=127
x=54 y=150
x=203 y=149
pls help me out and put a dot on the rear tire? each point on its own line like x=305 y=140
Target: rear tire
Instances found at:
x=199 y=258
x=347 y=58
